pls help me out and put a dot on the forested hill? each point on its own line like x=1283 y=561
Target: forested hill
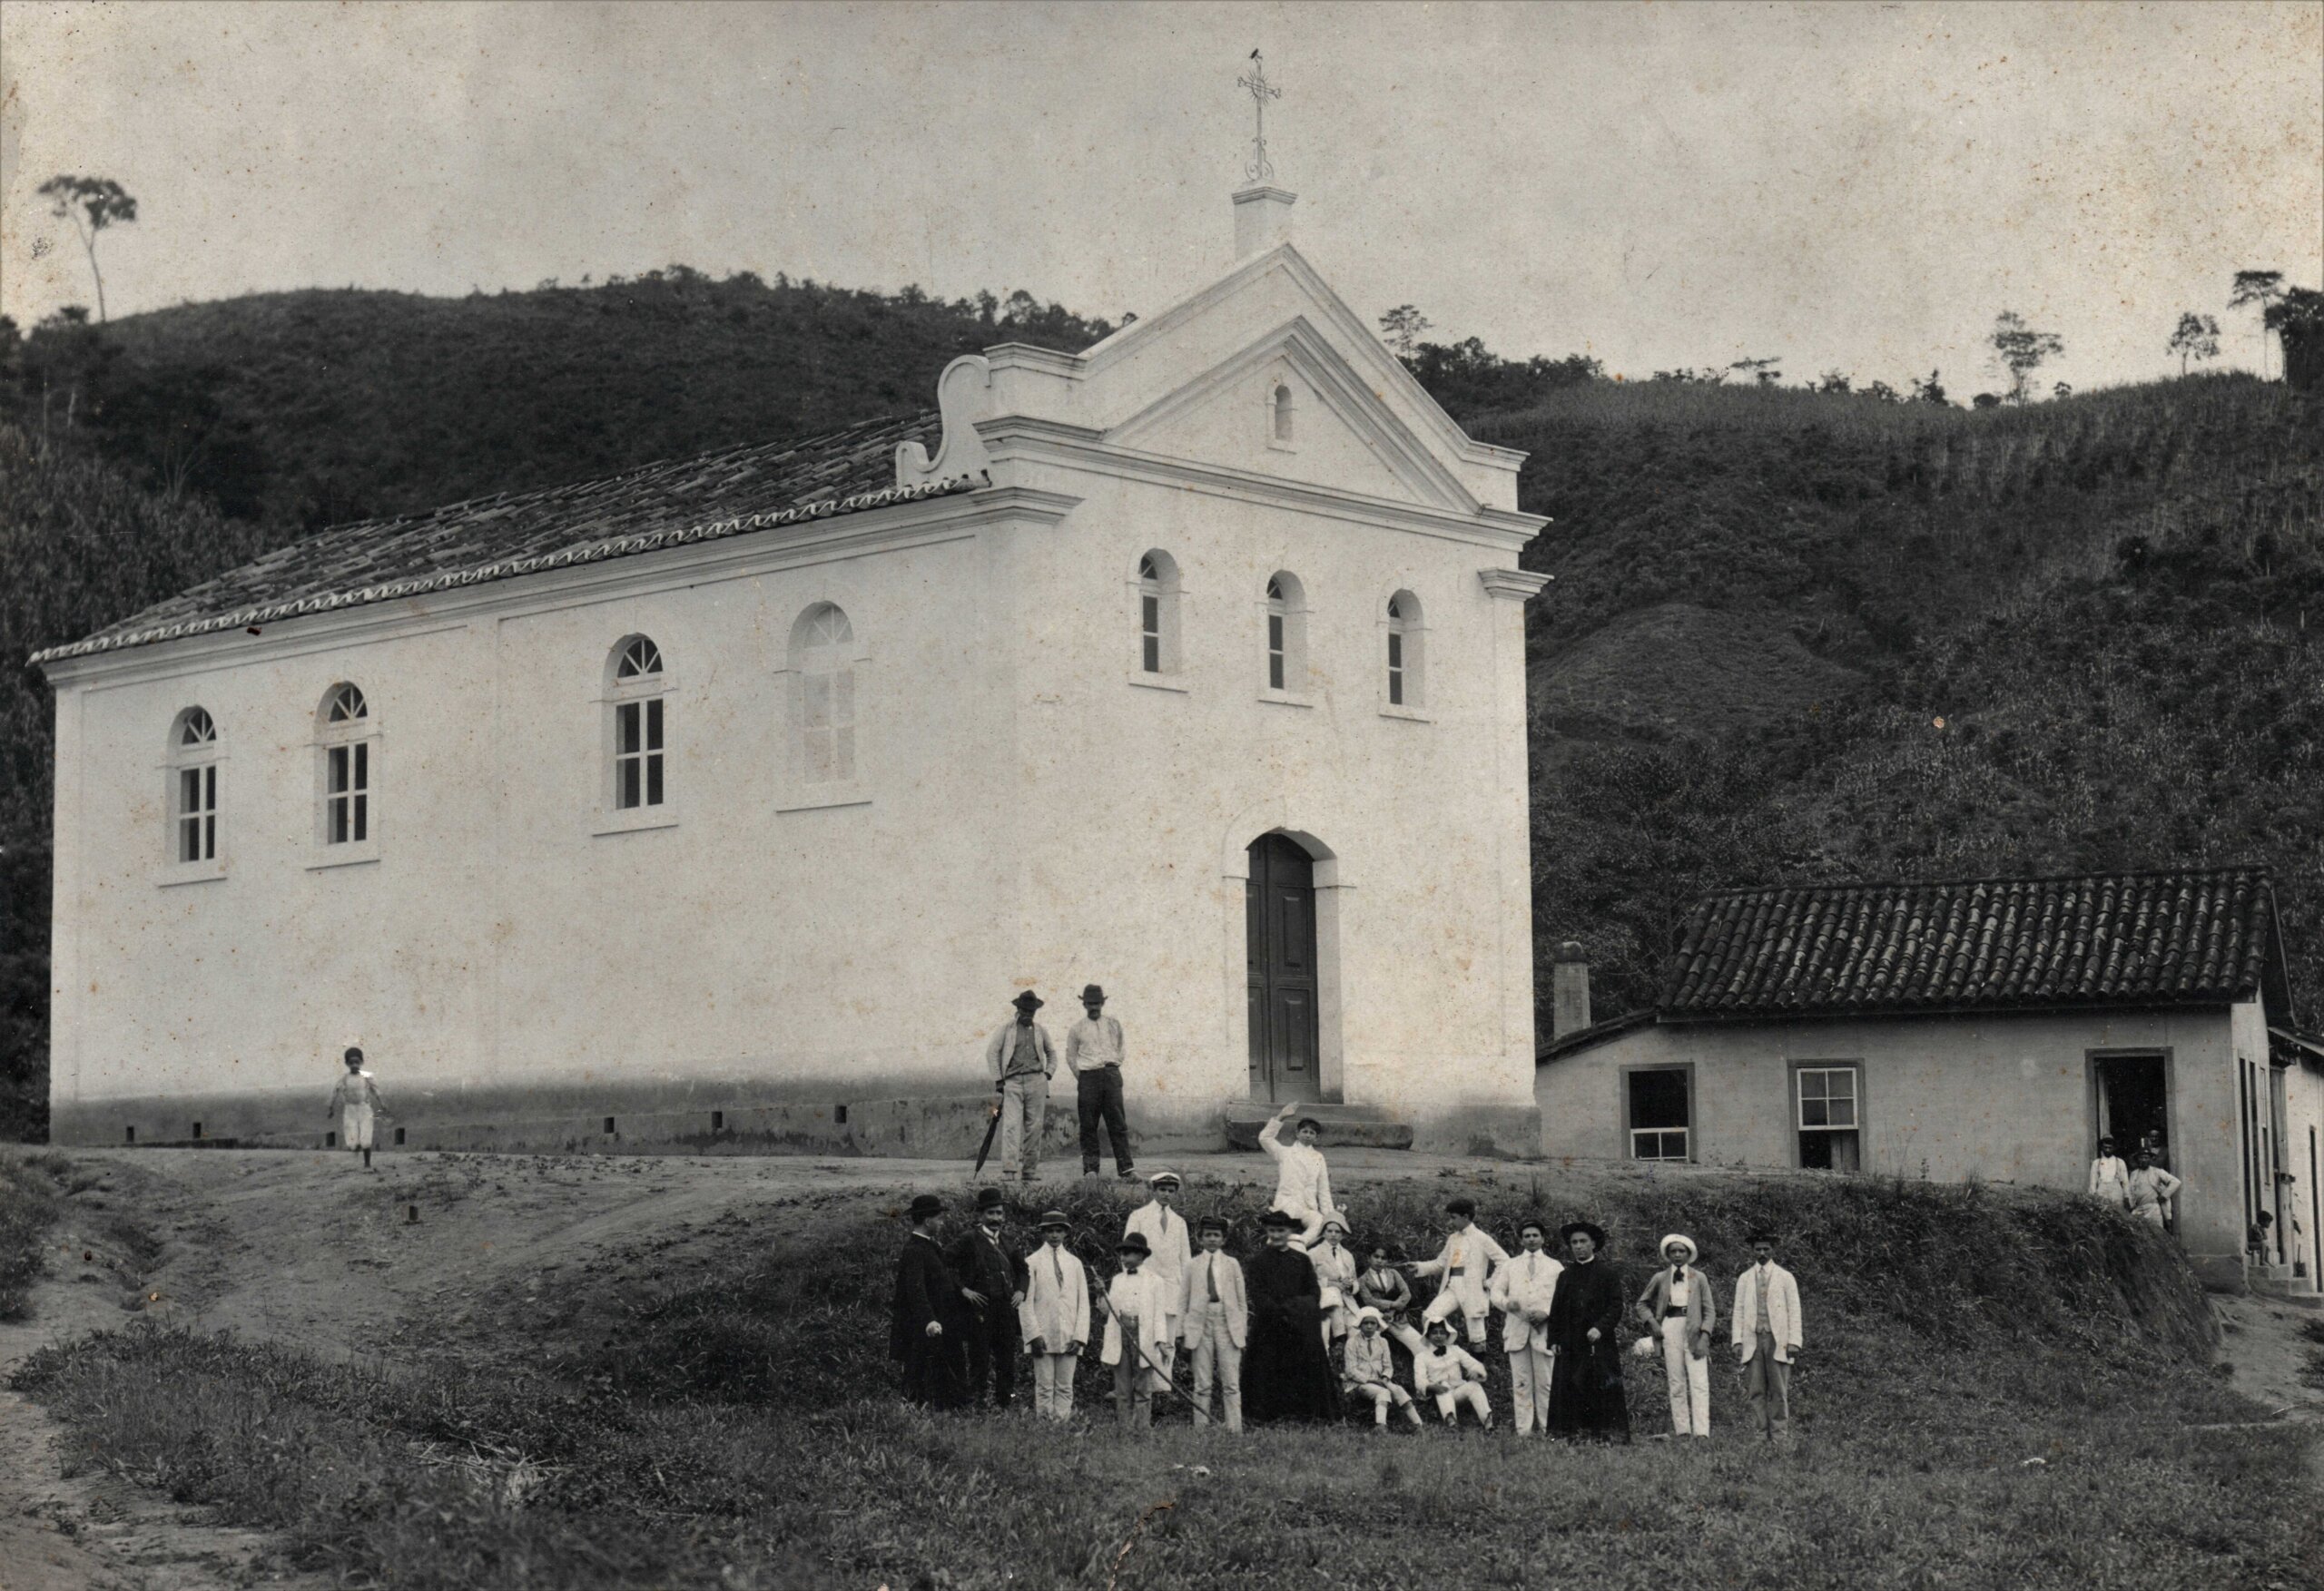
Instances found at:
x=1795 y=635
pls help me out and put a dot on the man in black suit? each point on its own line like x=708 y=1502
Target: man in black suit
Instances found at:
x=992 y=1279
x=929 y=1329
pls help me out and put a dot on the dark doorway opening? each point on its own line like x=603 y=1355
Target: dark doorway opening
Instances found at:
x=1658 y=1112
x=2133 y=1106
x=1279 y=930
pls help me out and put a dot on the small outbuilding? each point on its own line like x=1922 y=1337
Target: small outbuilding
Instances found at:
x=1989 y=1029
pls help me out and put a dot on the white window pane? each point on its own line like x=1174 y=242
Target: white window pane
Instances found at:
x=843 y=696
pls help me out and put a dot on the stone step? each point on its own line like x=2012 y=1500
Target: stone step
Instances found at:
x=2298 y=1290
x=1352 y=1127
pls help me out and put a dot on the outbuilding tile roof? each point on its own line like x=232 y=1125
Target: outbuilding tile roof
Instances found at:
x=753 y=487
x=2195 y=936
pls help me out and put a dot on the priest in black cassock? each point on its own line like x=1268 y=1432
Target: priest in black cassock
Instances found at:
x=1585 y=1319
x=929 y=1328
x=1286 y=1375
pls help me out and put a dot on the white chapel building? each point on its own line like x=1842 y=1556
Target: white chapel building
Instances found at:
x=730 y=800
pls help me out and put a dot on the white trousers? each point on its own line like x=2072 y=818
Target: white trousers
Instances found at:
x=1024 y=1112
x=1450 y=1401
x=1053 y=1385
x=1528 y=1388
x=1462 y=1294
x=355 y=1126
x=1215 y=1357
x=1310 y=1222
x=1689 y=1380
x=1383 y=1395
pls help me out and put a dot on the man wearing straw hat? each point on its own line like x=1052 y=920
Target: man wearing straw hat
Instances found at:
x=1053 y=1319
x=1679 y=1308
x=1022 y=1060
x=1093 y=1053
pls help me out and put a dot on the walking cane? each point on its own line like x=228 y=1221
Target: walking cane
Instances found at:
x=1144 y=1358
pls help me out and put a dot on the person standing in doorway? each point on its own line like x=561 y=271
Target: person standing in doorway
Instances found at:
x=1214 y=1319
x=1093 y=1051
x=1767 y=1336
x=1055 y=1318
x=1524 y=1291
x=355 y=1102
x=1022 y=1060
x=2110 y=1179
x=1680 y=1309
x=1166 y=1233
x=929 y=1327
x=2152 y=1191
x=992 y=1280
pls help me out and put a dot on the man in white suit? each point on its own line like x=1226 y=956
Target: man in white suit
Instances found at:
x=1215 y=1320
x=1164 y=1231
x=1523 y=1291
x=1467 y=1262
x=1054 y=1318
x=1766 y=1335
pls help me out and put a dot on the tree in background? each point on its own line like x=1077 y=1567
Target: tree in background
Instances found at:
x=2257 y=290
x=2298 y=317
x=1931 y=390
x=2196 y=338
x=92 y=204
x=1401 y=328
x=2021 y=351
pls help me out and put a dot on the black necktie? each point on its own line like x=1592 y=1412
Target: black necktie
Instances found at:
x=1210 y=1275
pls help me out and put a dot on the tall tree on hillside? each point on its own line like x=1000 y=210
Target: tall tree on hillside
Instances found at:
x=2298 y=318
x=92 y=204
x=2257 y=290
x=2021 y=351
x=2196 y=338
x=1401 y=328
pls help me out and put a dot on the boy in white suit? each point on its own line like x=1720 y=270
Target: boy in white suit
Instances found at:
x=355 y=1103
x=1054 y=1318
x=1213 y=1321
x=1467 y=1262
x=1303 y=1183
x=1766 y=1335
x=1450 y=1376
x=1164 y=1231
x=1368 y=1374
x=1522 y=1291
x=1137 y=1315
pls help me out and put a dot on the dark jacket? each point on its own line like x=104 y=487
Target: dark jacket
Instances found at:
x=982 y=1266
x=925 y=1292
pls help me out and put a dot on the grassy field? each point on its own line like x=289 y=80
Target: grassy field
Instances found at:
x=2001 y=1390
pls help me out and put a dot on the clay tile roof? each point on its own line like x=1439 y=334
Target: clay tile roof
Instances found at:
x=2191 y=937
x=757 y=487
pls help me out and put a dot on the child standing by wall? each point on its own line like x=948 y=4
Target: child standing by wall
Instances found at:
x=355 y=1101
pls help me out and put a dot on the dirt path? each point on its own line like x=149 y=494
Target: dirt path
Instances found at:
x=403 y=1262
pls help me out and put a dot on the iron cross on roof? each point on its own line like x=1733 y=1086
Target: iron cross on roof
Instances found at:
x=1261 y=91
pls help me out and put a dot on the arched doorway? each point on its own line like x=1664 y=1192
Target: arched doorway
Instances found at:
x=1279 y=931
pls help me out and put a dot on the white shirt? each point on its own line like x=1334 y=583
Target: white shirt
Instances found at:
x=1303 y=1182
x=1165 y=1234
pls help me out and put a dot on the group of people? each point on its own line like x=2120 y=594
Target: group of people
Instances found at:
x=1310 y=1329
x=2142 y=1187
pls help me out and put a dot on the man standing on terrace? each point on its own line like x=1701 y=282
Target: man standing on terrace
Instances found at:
x=1021 y=1059
x=1093 y=1052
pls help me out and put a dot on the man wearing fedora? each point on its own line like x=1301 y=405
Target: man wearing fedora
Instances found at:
x=929 y=1328
x=1022 y=1060
x=992 y=1279
x=1679 y=1308
x=1093 y=1052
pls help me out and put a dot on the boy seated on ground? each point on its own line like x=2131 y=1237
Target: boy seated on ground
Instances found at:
x=1369 y=1375
x=1451 y=1377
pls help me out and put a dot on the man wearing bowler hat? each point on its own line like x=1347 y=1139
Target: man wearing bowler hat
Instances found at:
x=929 y=1330
x=1021 y=1060
x=1093 y=1050
x=992 y=1280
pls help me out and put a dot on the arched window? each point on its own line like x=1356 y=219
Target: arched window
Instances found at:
x=1405 y=661
x=637 y=697
x=1286 y=625
x=344 y=735
x=1158 y=613
x=193 y=783
x=823 y=656
x=1279 y=407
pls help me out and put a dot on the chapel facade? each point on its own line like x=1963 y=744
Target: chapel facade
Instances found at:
x=728 y=801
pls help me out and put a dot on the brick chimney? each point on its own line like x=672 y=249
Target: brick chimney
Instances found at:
x=1569 y=989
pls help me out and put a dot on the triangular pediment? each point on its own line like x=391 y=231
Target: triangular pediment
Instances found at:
x=1291 y=405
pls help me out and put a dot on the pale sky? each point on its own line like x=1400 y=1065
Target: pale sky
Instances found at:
x=1851 y=186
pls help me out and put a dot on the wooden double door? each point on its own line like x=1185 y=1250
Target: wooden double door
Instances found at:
x=1279 y=923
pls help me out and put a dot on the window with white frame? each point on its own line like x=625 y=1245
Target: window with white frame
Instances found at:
x=824 y=657
x=194 y=784
x=1830 y=1111
x=1286 y=608
x=1657 y=1102
x=1158 y=613
x=638 y=699
x=345 y=742
x=1406 y=637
